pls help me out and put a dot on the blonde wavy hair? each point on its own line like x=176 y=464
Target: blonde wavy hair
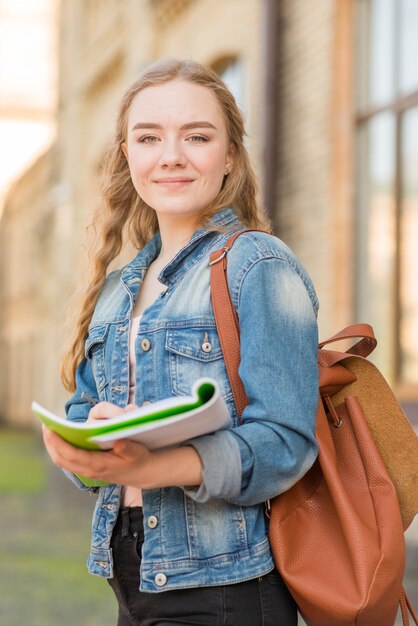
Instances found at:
x=124 y=216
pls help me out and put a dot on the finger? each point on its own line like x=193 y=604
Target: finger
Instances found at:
x=102 y=413
x=120 y=447
x=104 y=410
x=50 y=438
x=55 y=445
x=92 y=418
x=130 y=450
x=69 y=457
x=131 y=406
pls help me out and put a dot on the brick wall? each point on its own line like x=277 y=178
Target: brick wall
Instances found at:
x=313 y=205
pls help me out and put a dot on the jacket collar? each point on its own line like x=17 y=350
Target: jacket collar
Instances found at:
x=183 y=260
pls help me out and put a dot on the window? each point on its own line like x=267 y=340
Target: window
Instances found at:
x=387 y=181
x=231 y=70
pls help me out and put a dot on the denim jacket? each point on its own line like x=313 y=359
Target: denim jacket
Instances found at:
x=215 y=533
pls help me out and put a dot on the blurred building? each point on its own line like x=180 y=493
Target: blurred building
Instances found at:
x=27 y=84
x=28 y=97
x=329 y=91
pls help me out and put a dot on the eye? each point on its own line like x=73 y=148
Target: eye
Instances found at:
x=147 y=139
x=197 y=139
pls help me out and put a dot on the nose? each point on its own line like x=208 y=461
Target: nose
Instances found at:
x=172 y=154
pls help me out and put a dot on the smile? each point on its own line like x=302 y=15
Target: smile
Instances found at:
x=173 y=183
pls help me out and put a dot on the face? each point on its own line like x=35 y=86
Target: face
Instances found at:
x=177 y=148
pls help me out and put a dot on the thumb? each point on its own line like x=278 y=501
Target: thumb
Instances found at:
x=129 y=450
x=130 y=407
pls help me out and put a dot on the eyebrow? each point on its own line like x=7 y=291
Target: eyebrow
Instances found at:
x=188 y=126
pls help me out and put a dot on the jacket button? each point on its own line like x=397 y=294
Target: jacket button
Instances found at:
x=206 y=346
x=145 y=345
x=152 y=521
x=160 y=579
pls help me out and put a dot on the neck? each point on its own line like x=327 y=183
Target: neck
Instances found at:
x=175 y=233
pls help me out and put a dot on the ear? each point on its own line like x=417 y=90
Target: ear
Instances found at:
x=229 y=161
x=124 y=149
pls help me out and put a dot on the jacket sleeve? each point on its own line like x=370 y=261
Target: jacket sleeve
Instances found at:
x=77 y=410
x=275 y=444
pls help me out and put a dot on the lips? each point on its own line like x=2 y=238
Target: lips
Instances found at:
x=174 y=184
x=178 y=179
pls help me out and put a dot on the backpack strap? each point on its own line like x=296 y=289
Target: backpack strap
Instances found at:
x=406 y=607
x=362 y=348
x=227 y=320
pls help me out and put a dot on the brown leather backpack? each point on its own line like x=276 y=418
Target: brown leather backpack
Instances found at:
x=337 y=536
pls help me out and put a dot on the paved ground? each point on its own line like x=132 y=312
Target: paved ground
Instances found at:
x=44 y=538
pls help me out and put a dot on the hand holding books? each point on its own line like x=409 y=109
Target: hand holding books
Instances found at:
x=163 y=424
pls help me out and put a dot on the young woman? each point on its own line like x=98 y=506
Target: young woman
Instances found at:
x=181 y=533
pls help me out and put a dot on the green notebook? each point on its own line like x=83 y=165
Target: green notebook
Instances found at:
x=161 y=424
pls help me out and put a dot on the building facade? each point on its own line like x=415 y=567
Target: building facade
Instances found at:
x=27 y=90
x=304 y=75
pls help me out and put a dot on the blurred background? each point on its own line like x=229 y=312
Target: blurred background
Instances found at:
x=329 y=92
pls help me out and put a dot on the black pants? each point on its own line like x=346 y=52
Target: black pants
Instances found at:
x=262 y=601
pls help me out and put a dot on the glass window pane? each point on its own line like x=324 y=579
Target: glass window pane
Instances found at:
x=408 y=78
x=376 y=63
x=376 y=233
x=409 y=249
x=232 y=73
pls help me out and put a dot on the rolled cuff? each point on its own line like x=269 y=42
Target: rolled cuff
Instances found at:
x=222 y=468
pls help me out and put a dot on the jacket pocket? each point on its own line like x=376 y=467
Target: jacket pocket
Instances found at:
x=215 y=528
x=193 y=353
x=94 y=350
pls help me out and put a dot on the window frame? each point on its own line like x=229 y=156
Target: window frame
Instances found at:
x=398 y=106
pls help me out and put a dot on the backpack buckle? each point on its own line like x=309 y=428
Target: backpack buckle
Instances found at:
x=221 y=256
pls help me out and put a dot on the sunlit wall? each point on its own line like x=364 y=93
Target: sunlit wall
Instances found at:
x=27 y=83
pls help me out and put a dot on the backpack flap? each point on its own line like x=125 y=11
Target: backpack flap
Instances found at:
x=391 y=431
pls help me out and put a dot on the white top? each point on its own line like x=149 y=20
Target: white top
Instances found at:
x=131 y=496
x=132 y=360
